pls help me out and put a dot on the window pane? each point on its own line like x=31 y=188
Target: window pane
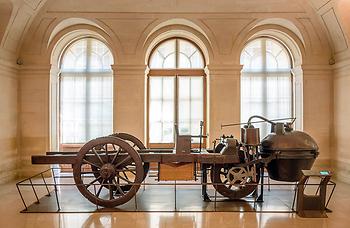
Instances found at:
x=87 y=55
x=190 y=108
x=266 y=82
x=86 y=92
x=189 y=55
x=161 y=109
x=164 y=55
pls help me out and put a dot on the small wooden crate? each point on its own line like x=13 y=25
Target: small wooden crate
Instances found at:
x=176 y=171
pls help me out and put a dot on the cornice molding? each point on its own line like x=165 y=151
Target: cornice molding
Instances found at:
x=35 y=70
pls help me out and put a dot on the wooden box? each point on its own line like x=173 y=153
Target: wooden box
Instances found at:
x=176 y=171
x=183 y=144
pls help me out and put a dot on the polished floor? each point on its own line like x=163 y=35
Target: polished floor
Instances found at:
x=11 y=205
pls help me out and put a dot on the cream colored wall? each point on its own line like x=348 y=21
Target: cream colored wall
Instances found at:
x=341 y=136
x=8 y=121
x=9 y=155
x=341 y=139
x=222 y=27
x=15 y=18
x=317 y=109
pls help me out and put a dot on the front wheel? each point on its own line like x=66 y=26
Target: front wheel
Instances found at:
x=234 y=182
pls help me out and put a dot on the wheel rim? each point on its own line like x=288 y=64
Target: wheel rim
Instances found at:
x=234 y=182
x=115 y=165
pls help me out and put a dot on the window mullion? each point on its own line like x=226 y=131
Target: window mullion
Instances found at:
x=87 y=92
x=176 y=101
x=265 y=75
x=176 y=53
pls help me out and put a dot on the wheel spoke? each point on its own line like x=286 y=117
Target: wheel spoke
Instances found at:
x=118 y=187
x=110 y=190
x=98 y=156
x=107 y=155
x=125 y=175
x=114 y=147
x=89 y=184
x=123 y=179
x=90 y=163
x=130 y=170
x=99 y=190
x=123 y=161
x=116 y=155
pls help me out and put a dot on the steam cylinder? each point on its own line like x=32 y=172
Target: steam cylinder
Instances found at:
x=295 y=150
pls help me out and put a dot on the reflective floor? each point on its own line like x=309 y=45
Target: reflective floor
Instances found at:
x=11 y=205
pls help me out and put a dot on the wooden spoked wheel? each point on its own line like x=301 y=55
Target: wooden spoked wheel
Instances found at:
x=116 y=164
x=136 y=144
x=234 y=182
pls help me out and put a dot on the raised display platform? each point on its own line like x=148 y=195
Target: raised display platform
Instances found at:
x=153 y=196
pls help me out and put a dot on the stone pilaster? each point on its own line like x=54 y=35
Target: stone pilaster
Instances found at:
x=224 y=99
x=34 y=121
x=8 y=120
x=318 y=107
x=129 y=86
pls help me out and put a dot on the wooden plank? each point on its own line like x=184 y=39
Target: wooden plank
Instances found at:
x=53 y=159
x=61 y=153
x=206 y=158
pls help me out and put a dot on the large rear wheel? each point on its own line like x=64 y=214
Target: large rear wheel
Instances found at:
x=114 y=165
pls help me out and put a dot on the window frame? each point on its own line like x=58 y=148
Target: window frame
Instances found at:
x=67 y=147
x=176 y=73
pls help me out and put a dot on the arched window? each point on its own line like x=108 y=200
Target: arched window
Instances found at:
x=266 y=81
x=86 y=92
x=176 y=88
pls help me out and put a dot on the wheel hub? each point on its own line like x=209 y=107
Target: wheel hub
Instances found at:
x=238 y=175
x=107 y=171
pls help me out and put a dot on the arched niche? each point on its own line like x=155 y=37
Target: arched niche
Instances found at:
x=55 y=50
x=5 y=16
x=186 y=31
x=296 y=49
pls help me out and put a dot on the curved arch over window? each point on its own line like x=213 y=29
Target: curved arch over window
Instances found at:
x=176 y=91
x=266 y=81
x=176 y=54
x=86 y=91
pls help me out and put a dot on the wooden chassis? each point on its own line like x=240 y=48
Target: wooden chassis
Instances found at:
x=160 y=156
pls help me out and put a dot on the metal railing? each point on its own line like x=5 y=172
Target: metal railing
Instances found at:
x=28 y=182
